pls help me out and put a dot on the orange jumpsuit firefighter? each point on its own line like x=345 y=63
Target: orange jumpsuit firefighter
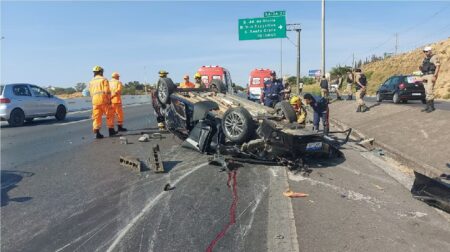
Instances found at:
x=116 y=100
x=101 y=98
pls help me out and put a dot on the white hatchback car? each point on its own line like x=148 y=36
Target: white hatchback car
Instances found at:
x=23 y=102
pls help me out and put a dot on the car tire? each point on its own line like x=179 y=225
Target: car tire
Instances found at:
x=164 y=89
x=424 y=101
x=61 y=112
x=218 y=86
x=286 y=109
x=396 y=98
x=238 y=125
x=379 y=99
x=16 y=118
x=28 y=120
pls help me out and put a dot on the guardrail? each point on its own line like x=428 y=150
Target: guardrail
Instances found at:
x=84 y=103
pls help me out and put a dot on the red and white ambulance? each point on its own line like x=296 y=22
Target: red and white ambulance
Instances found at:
x=210 y=73
x=256 y=83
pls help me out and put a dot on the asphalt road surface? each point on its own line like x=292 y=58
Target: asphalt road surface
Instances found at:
x=439 y=104
x=64 y=191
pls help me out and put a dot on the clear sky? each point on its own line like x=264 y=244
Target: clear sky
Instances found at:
x=58 y=43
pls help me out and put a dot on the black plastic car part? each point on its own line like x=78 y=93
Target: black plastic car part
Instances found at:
x=431 y=191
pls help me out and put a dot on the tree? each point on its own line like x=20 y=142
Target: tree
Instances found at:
x=339 y=70
x=80 y=86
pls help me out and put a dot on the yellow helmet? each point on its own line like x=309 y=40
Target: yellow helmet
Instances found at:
x=295 y=100
x=163 y=73
x=197 y=75
x=115 y=75
x=97 y=69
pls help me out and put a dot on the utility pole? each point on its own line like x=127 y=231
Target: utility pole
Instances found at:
x=281 y=58
x=323 y=37
x=296 y=27
x=396 y=43
x=353 y=61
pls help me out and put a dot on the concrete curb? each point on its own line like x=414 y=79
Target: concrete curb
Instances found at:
x=407 y=160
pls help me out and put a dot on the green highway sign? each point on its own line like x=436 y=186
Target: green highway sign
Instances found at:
x=262 y=28
x=274 y=13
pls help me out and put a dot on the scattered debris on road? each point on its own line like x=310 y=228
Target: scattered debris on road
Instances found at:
x=123 y=140
x=367 y=143
x=132 y=162
x=431 y=191
x=144 y=138
x=292 y=194
x=155 y=160
x=168 y=187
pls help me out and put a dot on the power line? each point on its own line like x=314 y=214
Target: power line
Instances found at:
x=423 y=39
x=426 y=20
x=291 y=41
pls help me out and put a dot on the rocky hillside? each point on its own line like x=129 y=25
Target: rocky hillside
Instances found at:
x=409 y=62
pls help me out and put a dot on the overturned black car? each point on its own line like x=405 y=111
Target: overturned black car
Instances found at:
x=215 y=121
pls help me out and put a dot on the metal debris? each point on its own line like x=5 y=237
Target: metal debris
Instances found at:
x=367 y=143
x=218 y=160
x=168 y=187
x=155 y=159
x=131 y=162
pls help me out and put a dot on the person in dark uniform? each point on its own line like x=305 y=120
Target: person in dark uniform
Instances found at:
x=272 y=91
x=360 y=84
x=324 y=89
x=430 y=69
x=321 y=112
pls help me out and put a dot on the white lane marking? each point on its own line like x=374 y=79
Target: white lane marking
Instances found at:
x=87 y=119
x=84 y=110
x=148 y=207
x=352 y=195
x=67 y=123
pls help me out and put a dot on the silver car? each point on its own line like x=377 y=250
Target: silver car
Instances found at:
x=23 y=102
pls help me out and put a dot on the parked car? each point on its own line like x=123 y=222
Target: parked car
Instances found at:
x=23 y=102
x=333 y=88
x=256 y=83
x=402 y=88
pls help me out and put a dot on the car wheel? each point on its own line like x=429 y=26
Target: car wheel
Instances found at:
x=218 y=86
x=164 y=89
x=28 y=120
x=396 y=99
x=238 y=125
x=16 y=118
x=379 y=99
x=424 y=101
x=284 y=108
x=61 y=113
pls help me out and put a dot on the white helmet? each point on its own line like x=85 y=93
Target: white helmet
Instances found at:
x=427 y=49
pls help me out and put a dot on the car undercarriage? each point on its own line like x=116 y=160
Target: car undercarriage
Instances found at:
x=214 y=121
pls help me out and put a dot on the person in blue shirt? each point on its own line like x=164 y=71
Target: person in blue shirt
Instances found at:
x=272 y=91
x=320 y=108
